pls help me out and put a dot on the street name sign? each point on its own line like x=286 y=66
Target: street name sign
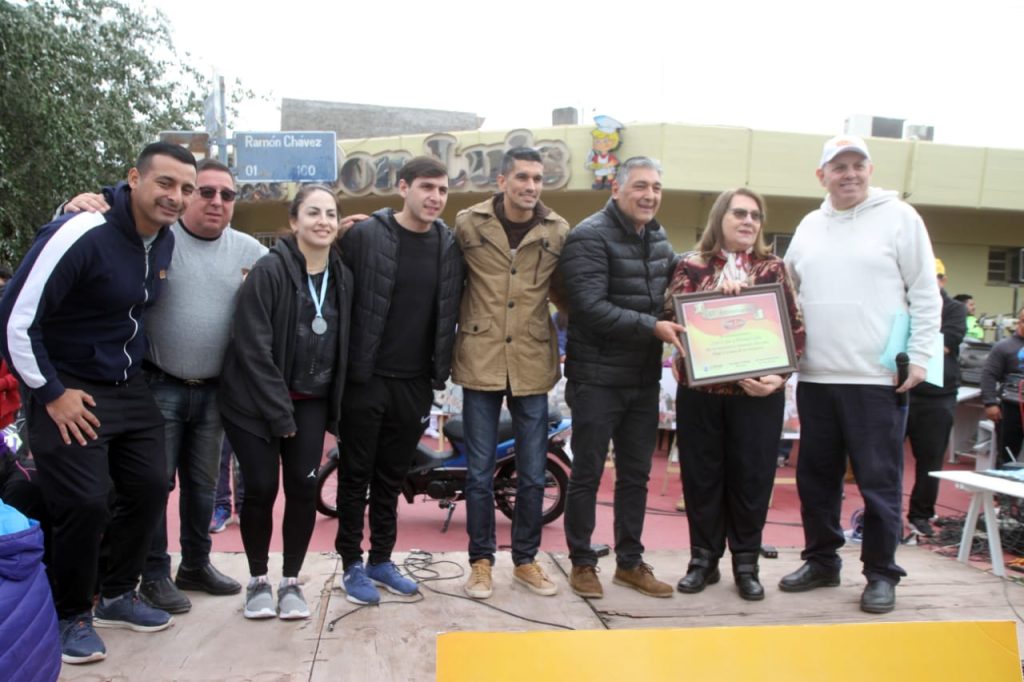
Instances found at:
x=296 y=156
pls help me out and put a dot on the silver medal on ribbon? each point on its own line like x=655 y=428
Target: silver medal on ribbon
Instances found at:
x=319 y=325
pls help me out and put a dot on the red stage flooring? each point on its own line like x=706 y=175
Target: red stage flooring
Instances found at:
x=420 y=523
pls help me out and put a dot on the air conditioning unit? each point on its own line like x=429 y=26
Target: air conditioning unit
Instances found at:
x=874 y=126
x=858 y=124
x=914 y=131
x=565 y=116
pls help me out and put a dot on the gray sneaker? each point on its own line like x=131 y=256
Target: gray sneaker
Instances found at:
x=259 y=600
x=290 y=603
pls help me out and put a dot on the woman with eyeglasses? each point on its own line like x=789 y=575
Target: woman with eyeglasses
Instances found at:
x=281 y=389
x=728 y=432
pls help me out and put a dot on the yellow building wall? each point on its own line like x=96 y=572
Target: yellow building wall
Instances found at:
x=970 y=197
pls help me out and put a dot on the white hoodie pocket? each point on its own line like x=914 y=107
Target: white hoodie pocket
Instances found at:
x=842 y=340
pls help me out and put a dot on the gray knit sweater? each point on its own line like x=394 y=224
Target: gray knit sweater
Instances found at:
x=189 y=326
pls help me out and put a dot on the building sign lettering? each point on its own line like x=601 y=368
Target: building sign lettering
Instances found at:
x=473 y=168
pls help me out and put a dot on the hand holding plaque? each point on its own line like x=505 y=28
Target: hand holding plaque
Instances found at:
x=733 y=337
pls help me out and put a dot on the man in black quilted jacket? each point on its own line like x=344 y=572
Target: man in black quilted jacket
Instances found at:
x=616 y=265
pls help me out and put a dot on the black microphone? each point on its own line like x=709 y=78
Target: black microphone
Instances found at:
x=902 y=370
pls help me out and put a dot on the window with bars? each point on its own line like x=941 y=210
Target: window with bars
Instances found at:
x=779 y=241
x=1004 y=264
x=266 y=238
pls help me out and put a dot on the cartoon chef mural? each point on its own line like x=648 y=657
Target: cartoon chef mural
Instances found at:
x=606 y=139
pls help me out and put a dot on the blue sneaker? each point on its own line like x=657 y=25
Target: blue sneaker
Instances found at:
x=357 y=586
x=386 y=575
x=221 y=519
x=79 y=642
x=128 y=611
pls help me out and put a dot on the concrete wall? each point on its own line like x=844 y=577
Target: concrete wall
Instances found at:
x=353 y=121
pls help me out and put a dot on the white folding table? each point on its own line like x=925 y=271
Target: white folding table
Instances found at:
x=983 y=489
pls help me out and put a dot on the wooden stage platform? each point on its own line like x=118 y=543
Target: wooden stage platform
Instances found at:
x=396 y=641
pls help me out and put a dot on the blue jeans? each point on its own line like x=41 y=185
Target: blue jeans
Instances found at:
x=223 y=498
x=192 y=436
x=480 y=412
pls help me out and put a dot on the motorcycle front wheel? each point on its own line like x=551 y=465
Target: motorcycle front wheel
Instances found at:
x=556 y=489
x=327 y=488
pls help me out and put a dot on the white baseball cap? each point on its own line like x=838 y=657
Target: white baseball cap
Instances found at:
x=843 y=143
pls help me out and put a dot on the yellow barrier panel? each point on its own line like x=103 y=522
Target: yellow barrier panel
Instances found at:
x=982 y=651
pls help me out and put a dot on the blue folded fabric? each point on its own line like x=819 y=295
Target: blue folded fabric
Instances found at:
x=11 y=520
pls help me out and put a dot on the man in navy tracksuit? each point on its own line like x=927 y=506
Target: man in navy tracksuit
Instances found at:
x=72 y=318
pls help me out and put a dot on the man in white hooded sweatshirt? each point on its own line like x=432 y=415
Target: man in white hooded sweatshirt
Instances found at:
x=859 y=262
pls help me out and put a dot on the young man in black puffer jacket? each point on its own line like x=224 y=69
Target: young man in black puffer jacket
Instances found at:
x=408 y=275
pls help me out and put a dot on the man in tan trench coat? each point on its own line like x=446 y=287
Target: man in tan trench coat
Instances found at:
x=507 y=349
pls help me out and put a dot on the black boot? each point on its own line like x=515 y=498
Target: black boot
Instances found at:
x=744 y=569
x=703 y=570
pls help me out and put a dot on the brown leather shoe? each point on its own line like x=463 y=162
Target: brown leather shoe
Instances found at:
x=583 y=581
x=641 y=578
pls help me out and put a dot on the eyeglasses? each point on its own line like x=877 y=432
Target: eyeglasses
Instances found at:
x=227 y=195
x=742 y=213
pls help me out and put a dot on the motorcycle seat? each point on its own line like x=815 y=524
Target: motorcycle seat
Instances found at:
x=455 y=430
x=427 y=457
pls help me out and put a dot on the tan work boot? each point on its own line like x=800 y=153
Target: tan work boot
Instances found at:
x=642 y=580
x=532 y=575
x=584 y=582
x=479 y=585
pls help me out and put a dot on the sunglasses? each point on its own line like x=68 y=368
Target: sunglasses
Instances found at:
x=742 y=213
x=227 y=195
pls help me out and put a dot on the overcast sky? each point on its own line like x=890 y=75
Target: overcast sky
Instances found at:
x=791 y=66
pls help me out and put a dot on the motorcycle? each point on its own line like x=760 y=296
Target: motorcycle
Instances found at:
x=442 y=475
